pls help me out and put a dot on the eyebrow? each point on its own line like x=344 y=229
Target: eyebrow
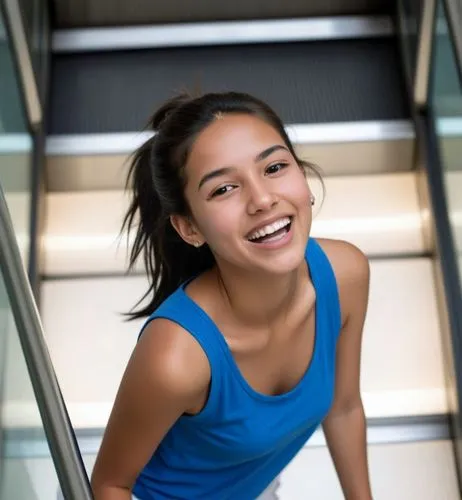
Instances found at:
x=226 y=170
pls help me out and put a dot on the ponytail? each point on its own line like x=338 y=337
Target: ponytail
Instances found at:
x=155 y=194
x=157 y=180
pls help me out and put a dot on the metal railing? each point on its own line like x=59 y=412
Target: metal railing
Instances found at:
x=424 y=53
x=58 y=429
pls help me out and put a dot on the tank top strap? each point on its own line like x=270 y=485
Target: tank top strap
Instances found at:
x=180 y=309
x=325 y=284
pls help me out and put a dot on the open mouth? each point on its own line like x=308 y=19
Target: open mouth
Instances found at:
x=272 y=232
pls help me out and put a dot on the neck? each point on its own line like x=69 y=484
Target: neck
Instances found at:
x=260 y=299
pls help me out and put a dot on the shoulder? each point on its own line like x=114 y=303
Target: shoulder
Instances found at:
x=351 y=270
x=349 y=263
x=170 y=356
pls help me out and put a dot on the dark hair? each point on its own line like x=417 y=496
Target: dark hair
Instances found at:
x=157 y=180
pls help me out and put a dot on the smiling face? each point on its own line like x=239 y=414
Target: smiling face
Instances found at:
x=248 y=197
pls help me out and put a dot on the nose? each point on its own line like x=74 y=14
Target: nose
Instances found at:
x=261 y=198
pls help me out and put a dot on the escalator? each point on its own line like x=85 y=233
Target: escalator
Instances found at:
x=392 y=177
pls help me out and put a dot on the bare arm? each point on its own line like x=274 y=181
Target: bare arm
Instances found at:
x=345 y=426
x=167 y=375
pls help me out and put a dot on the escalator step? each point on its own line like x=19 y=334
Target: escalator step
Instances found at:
x=321 y=82
x=117 y=12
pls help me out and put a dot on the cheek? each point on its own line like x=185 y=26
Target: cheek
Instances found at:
x=304 y=194
x=213 y=221
x=296 y=190
x=222 y=223
x=217 y=224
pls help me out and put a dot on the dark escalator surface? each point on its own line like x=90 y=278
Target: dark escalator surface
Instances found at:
x=320 y=82
x=75 y=13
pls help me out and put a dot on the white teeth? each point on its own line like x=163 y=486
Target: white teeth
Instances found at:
x=270 y=228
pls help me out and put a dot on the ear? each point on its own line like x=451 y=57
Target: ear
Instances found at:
x=312 y=196
x=187 y=230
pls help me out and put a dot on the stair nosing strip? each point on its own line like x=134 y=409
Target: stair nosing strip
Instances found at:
x=396 y=430
x=220 y=33
x=127 y=142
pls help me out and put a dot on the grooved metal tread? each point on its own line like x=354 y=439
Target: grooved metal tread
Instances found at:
x=320 y=82
x=121 y=13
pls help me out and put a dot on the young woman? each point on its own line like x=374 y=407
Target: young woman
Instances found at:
x=253 y=335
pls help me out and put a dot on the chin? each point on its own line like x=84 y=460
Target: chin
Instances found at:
x=289 y=265
x=285 y=263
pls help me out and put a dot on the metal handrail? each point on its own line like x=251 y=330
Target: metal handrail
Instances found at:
x=424 y=54
x=17 y=32
x=58 y=429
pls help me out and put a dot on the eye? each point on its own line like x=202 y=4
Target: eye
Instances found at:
x=276 y=167
x=222 y=190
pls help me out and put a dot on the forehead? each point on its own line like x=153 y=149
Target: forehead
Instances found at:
x=231 y=140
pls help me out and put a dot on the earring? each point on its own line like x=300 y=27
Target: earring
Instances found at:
x=313 y=199
x=197 y=244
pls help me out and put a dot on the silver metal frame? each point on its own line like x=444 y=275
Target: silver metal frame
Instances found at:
x=424 y=52
x=60 y=436
x=221 y=33
x=23 y=57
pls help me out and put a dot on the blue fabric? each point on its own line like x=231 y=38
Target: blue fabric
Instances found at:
x=242 y=439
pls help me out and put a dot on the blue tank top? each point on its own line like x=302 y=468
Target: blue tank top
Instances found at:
x=242 y=439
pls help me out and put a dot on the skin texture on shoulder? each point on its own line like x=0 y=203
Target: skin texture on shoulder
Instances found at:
x=351 y=268
x=168 y=375
x=345 y=425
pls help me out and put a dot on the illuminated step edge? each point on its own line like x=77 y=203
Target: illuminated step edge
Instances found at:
x=390 y=404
